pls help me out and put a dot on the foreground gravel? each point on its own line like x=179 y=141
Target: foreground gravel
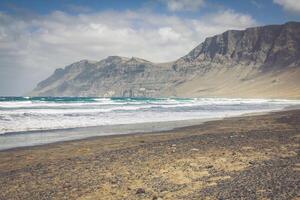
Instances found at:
x=253 y=157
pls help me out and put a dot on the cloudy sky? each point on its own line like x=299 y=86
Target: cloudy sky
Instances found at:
x=39 y=36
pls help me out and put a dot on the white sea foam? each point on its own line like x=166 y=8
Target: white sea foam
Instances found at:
x=26 y=115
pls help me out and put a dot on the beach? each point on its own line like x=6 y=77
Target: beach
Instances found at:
x=246 y=157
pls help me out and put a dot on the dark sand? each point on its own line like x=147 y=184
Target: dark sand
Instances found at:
x=251 y=157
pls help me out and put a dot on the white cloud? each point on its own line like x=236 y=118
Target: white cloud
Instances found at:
x=289 y=5
x=168 y=34
x=230 y=19
x=43 y=43
x=183 y=5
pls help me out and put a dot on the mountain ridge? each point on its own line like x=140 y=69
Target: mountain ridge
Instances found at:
x=255 y=62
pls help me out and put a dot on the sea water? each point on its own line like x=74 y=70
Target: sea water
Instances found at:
x=26 y=121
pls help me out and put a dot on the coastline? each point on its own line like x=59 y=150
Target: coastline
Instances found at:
x=14 y=140
x=188 y=162
x=153 y=127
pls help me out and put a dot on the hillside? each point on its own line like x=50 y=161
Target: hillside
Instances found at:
x=259 y=62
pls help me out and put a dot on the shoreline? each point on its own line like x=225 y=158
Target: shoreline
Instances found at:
x=183 y=124
x=164 y=126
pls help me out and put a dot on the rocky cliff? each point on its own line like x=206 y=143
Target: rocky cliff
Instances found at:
x=256 y=62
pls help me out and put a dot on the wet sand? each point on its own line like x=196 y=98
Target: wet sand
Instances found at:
x=249 y=157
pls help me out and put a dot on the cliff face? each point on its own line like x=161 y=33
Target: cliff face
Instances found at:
x=113 y=76
x=273 y=46
x=256 y=62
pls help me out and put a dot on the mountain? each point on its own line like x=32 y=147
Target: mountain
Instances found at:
x=259 y=62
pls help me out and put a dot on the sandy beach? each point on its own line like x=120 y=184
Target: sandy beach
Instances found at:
x=249 y=157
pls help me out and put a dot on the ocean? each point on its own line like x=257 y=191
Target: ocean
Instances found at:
x=27 y=121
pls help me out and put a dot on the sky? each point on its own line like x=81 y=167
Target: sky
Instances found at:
x=38 y=36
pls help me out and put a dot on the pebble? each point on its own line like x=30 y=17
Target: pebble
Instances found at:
x=209 y=166
x=140 y=191
x=194 y=149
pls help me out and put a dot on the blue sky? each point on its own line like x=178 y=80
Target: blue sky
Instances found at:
x=36 y=37
x=264 y=11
